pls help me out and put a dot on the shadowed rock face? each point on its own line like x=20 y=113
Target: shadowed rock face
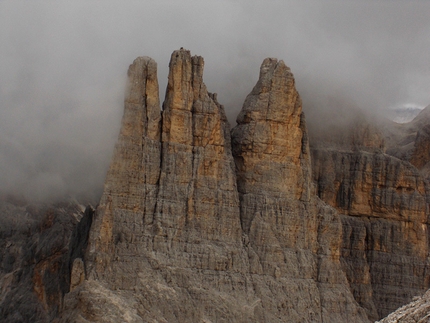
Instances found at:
x=383 y=201
x=37 y=243
x=182 y=233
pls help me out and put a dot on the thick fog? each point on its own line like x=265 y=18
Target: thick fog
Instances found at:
x=63 y=70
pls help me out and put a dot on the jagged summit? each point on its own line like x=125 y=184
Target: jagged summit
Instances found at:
x=183 y=233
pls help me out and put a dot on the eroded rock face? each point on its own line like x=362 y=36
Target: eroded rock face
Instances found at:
x=175 y=240
x=384 y=207
x=197 y=224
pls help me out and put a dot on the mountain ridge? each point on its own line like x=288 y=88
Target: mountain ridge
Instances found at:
x=199 y=222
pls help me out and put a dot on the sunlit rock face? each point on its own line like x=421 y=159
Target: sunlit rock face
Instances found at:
x=194 y=226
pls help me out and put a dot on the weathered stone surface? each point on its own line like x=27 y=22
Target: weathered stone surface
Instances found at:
x=77 y=275
x=194 y=228
x=361 y=183
x=92 y=302
x=420 y=157
x=131 y=183
x=384 y=207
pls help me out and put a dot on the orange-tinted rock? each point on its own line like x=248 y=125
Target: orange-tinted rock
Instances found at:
x=295 y=237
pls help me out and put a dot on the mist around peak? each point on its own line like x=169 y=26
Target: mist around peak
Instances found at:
x=63 y=71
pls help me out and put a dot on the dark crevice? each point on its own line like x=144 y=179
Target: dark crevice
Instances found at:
x=79 y=242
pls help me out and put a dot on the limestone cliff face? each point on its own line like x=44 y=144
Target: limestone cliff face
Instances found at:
x=200 y=224
x=178 y=237
x=384 y=207
x=270 y=141
x=134 y=172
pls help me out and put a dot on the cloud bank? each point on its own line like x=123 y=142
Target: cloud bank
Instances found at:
x=63 y=70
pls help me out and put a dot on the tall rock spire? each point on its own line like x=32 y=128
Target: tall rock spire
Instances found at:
x=131 y=183
x=171 y=183
x=295 y=238
x=198 y=197
x=270 y=140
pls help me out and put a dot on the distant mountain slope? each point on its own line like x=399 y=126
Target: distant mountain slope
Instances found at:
x=410 y=141
x=403 y=115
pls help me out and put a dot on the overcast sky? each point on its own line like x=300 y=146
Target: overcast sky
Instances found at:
x=63 y=69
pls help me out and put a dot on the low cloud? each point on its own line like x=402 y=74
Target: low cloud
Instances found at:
x=63 y=70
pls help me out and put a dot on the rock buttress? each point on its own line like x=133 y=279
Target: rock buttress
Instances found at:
x=417 y=311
